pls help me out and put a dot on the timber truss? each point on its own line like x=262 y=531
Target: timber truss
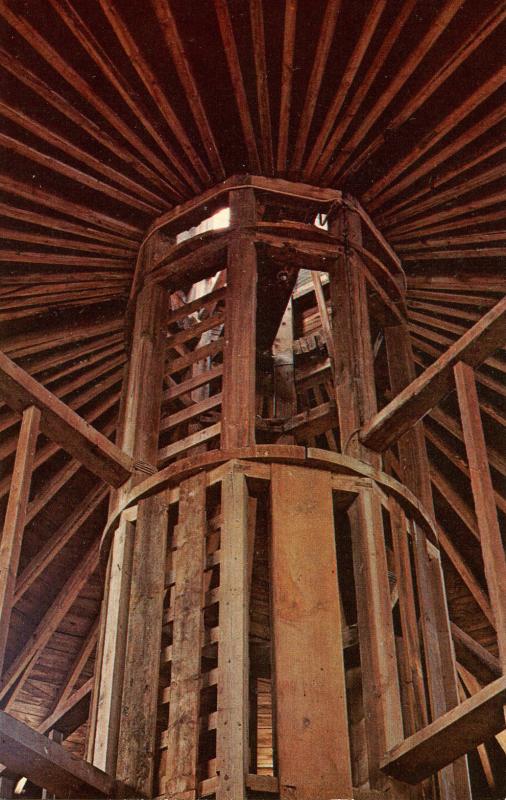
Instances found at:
x=269 y=568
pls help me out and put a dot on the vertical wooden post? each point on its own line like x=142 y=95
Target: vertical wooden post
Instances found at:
x=15 y=516
x=232 y=751
x=311 y=719
x=239 y=355
x=382 y=702
x=136 y=740
x=139 y=424
x=138 y=436
x=353 y=353
x=187 y=636
x=415 y=715
x=106 y=702
x=494 y=558
x=434 y=619
x=356 y=402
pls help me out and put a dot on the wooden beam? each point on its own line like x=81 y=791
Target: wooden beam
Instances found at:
x=354 y=360
x=258 y=36
x=109 y=661
x=136 y=740
x=71 y=712
x=492 y=548
x=63 y=426
x=153 y=86
x=383 y=715
x=415 y=710
x=406 y=69
x=232 y=750
x=286 y=82
x=450 y=736
x=311 y=718
x=15 y=517
x=187 y=639
x=59 y=539
x=47 y=764
x=474 y=656
x=323 y=44
x=236 y=77
x=422 y=394
x=239 y=355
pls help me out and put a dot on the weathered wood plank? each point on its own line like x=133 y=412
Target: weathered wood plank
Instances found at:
x=238 y=408
x=492 y=548
x=423 y=393
x=63 y=426
x=232 y=736
x=451 y=736
x=311 y=718
x=106 y=706
x=136 y=741
x=434 y=619
x=354 y=360
x=47 y=764
x=187 y=640
x=15 y=516
x=383 y=716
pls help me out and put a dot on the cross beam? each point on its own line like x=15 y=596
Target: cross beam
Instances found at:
x=422 y=394
x=63 y=426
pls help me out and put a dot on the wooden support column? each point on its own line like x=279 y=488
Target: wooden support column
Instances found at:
x=138 y=436
x=187 y=639
x=238 y=407
x=415 y=712
x=136 y=740
x=14 y=525
x=494 y=558
x=353 y=353
x=311 y=718
x=356 y=403
x=435 y=623
x=232 y=751
x=382 y=702
x=106 y=701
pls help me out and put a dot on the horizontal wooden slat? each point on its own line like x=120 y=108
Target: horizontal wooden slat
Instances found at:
x=166 y=453
x=192 y=383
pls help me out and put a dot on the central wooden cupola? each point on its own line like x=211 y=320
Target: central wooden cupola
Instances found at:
x=274 y=619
